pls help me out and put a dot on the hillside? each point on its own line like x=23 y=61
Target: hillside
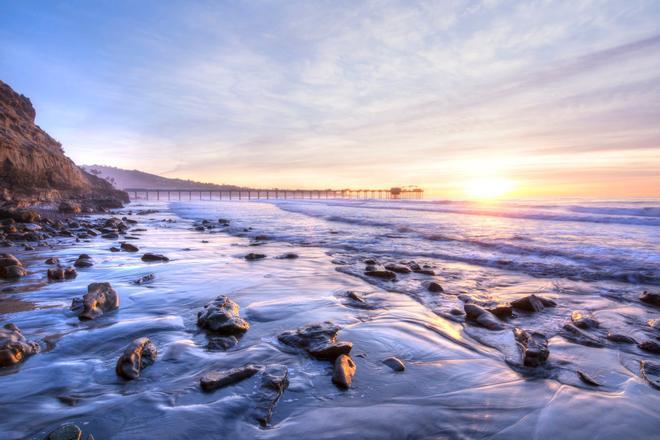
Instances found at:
x=123 y=179
x=33 y=167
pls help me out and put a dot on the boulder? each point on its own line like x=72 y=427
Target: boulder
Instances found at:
x=66 y=432
x=69 y=207
x=650 y=372
x=319 y=340
x=253 y=257
x=382 y=274
x=620 y=338
x=60 y=273
x=584 y=377
x=482 y=317
x=14 y=348
x=221 y=316
x=52 y=260
x=288 y=256
x=502 y=311
x=274 y=380
x=11 y=267
x=138 y=355
x=343 y=372
x=218 y=379
x=651 y=298
x=395 y=364
x=434 y=287
x=154 y=257
x=100 y=299
x=83 y=261
x=128 y=247
x=584 y=320
x=574 y=334
x=145 y=279
x=532 y=303
x=397 y=268
x=650 y=345
x=533 y=346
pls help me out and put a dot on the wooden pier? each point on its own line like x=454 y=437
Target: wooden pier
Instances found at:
x=268 y=194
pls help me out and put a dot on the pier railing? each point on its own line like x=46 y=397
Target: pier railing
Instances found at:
x=256 y=194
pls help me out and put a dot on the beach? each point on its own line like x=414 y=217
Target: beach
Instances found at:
x=324 y=261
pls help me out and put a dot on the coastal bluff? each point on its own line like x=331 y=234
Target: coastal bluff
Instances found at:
x=33 y=167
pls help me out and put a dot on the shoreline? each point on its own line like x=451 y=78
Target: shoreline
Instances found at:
x=274 y=295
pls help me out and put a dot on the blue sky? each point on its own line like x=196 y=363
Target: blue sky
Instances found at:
x=557 y=97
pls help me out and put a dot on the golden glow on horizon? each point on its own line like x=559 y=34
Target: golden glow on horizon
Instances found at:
x=488 y=189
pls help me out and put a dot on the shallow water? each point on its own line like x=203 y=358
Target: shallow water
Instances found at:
x=460 y=380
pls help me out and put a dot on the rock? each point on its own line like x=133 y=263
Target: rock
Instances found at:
x=397 y=268
x=129 y=247
x=66 y=432
x=84 y=260
x=288 y=256
x=621 y=339
x=154 y=257
x=69 y=207
x=100 y=299
x=221 y=316
x=584 y=377
x=138 y=355
x=395 y=363
x=14 y=348
x=532 y=303
x=114 y=249
x=253 y=257
x=145 y=279
x=343 y=372
x=382 y=274
x=652 y=298
x=319 y=340
x=502 y=311
x=19 y=215
x=434 y=287
x=654 y=324
x=483 y=317
x=533 y=345
x=572 y=333
x=583 y=320
x=274 y=380
x=60 y=273
x=650 y=346
x=11 y=267
x=650 y=371
x=52 y=260
x=218 y=379
x=222 y=342
x=354 y=296
x=110 y=235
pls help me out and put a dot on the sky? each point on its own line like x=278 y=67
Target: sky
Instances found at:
x=536 y=98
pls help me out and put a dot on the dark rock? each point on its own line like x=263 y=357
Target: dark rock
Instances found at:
x=532 y=303
x=288 y=256
x=218 y=379
x=621 y=339
x=84 y=261
x=222 y=342
x=114 y=249
x=66 y=432
x=14 y=348
x=343 y=372
x=370 y=262
x=584 y=377
x=145 y=279
x=69 y=207
x=395 y=363
x=253 y=257
x=456 y=312
x=533 y=345
x=110 y=235
x=482 y=317
x=382 y=274
x=397 y=268
x=354 y=296
x=652 y=298
x=11 y=267
x=650 y=371
x=319 y=340
x=154 y=257
x=129 y=247
x=583 y=320
x=100 y=299
x=52 y=260
x=434 y=287
x=138 y=355
x=650 y=345
x=502 y=311
x=572 y=333
x=221 y=316
x=274 y=380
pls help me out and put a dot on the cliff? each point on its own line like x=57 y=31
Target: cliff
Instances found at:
x=33 y=167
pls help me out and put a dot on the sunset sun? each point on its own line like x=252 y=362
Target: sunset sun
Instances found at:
x=488 y=189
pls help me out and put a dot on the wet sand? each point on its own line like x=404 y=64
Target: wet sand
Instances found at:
x=460 y=381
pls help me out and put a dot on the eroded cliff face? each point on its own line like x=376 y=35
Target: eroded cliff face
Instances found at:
x=33 y=167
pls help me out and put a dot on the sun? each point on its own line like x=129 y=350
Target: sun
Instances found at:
x=488 y=189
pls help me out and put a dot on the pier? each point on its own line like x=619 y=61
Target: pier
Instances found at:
x=267 y=194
